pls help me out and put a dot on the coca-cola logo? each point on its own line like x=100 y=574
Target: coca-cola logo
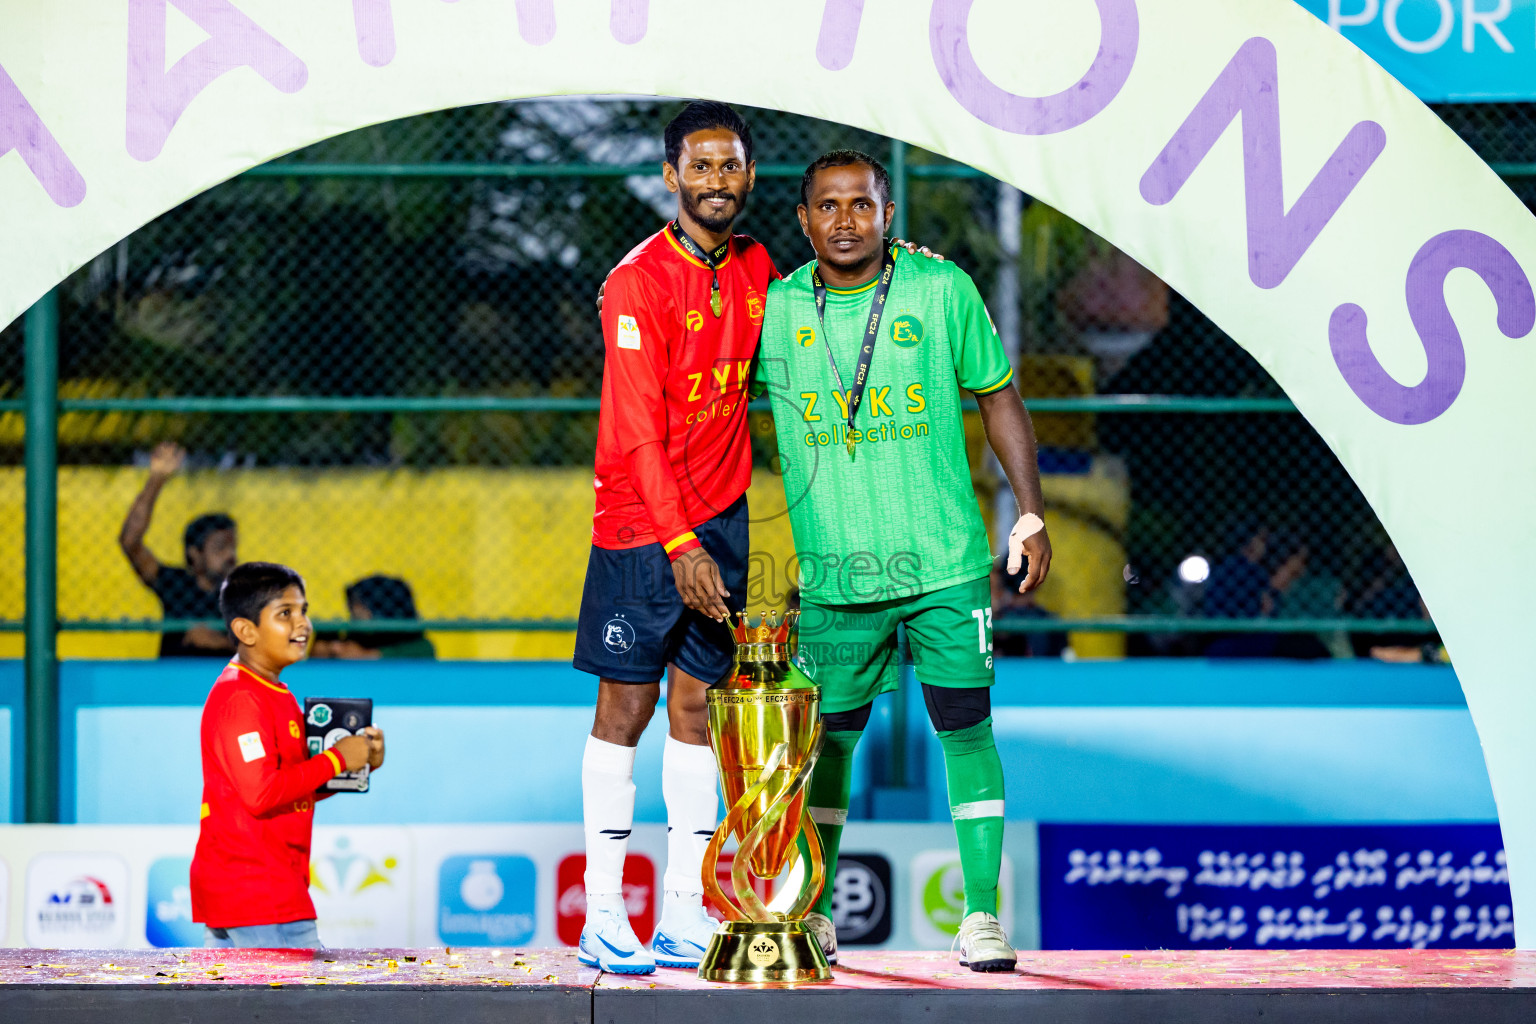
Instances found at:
x=571 y=896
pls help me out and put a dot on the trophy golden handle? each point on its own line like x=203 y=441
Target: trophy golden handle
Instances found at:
x=777 y=808
x=738 y=811
x=750 y=903
x=816 y=868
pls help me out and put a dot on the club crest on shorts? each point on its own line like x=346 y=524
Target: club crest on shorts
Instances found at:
x=618 y=636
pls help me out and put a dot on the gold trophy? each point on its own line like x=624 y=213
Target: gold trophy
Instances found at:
x=765 y=728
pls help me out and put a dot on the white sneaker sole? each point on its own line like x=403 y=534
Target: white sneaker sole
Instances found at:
x=584 y=957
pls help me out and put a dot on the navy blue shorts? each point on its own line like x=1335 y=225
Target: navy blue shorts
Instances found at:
x=633 y=621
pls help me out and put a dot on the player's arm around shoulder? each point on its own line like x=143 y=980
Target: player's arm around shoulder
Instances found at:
x=770 y=373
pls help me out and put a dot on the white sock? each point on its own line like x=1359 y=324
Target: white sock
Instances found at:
x=607 y=814
x=690 y=786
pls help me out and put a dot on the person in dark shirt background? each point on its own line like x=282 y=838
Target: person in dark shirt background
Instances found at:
x=209 y=546
x=378 y=597
x=1008 y=603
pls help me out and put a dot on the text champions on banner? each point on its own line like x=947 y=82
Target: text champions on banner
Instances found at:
x=1259 y=163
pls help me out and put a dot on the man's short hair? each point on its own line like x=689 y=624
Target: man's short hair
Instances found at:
x=385 y=597
x=703 y=116
x=199 y=529
x=846 y=158
x=251 y=586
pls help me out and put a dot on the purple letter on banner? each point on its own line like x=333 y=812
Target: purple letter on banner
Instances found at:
x=375 y=22
x=839 y=33
x=536 y=21
x=1033 y=115
x=627 y=20
x=22 y=130
x=1442 y=254
x=1249 y=86
x=157 y=98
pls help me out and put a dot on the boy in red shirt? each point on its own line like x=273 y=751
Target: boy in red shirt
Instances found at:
x=250 y=875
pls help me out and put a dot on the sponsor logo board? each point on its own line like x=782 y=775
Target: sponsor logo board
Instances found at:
x=861 y=899
x=76 y=901
x=1274 y=887
x=571 y=896
x=937 y=897
x=168 y=904
x=487 y=900
x=361 y=884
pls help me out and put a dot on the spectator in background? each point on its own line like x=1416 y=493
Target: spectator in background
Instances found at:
x=1117 y=305
x=1390 y=593
x=378 y=597
x=1239 y=584
x=209 y=546
x=1009 y=604
x=1258 y=581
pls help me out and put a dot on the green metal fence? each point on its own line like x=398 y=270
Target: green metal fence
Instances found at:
x=380 y=355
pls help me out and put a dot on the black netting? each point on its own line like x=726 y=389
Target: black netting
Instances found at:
x=472 y=277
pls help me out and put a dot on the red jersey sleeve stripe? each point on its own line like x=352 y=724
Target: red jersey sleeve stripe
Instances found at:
x=336 y=761
x=675 y=546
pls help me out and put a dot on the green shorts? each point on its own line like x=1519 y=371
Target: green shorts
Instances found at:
x=850 y=649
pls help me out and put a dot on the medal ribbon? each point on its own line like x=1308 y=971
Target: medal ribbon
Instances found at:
x=871 y=333
x=712 y=260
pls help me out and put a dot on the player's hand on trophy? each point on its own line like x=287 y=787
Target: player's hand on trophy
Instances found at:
x=375 y=737
x=353 y=751
x=912 y=247
x=1028 y=539
x=699 y=583
x=167 y=459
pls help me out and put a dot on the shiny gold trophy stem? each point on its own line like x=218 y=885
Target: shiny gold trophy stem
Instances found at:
x=754 y=715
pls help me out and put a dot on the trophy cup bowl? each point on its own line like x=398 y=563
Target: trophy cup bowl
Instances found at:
x=765 y=729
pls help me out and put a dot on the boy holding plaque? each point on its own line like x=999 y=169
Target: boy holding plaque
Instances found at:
x=864 y=354
x=250 y=874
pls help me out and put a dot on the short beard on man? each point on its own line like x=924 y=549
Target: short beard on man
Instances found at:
x=693 y=202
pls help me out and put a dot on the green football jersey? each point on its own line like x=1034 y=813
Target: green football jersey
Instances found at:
x=900 y=517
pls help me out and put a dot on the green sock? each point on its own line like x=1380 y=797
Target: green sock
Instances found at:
x=975 y=775
x=828 y=801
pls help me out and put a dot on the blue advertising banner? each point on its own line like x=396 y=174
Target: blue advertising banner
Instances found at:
x=1273 y=887
x=1458 y=50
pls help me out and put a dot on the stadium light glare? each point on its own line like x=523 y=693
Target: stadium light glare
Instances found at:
x=1194 y=569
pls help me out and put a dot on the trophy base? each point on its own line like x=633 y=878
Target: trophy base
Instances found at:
x=753 y=953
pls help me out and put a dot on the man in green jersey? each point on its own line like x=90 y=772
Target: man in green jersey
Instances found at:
x=864 y=353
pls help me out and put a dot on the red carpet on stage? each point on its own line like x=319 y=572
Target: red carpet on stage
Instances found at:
x=471 y=985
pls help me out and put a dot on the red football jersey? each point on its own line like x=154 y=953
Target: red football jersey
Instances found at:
x=252 y=860
x=672 y=446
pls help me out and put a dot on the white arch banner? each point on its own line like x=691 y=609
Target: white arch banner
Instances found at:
x=1263 y=166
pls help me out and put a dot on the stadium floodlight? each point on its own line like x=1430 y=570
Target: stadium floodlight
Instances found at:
x=1194 y=569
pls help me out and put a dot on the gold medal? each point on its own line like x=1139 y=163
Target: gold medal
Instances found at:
x=850 y=445
x=714 y=301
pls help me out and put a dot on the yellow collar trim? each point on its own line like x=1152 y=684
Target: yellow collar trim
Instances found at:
x=854 y=291
x=269 y=684
x=729 y=252
x=863 y=287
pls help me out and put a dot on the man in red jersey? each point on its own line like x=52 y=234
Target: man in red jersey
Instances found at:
x=250 y=874
x=681 y=316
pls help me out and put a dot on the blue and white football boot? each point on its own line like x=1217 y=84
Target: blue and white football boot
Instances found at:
x=683 y=934
x=609 y=944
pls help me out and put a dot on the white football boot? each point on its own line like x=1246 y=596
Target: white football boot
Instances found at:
x=983 y=944
x=825 y=931
x=609 y=944
x=683 y=934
